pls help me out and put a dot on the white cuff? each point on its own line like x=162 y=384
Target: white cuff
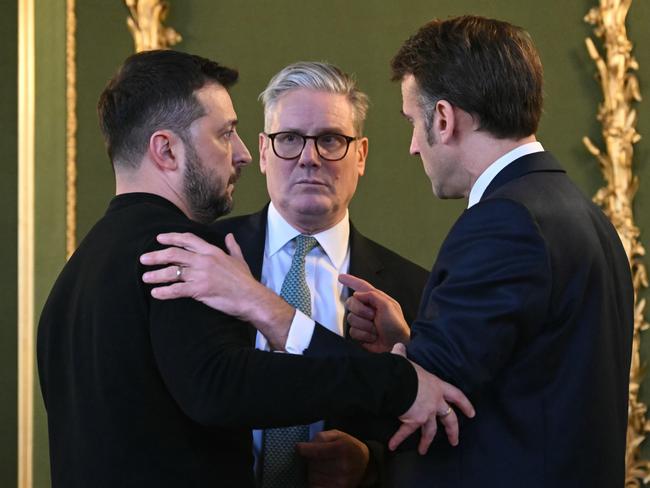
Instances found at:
x=300 y=333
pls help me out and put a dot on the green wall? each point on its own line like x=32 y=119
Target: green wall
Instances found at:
x=394 y=203
x=8 y=243
x=50 y=191
x=259 y=37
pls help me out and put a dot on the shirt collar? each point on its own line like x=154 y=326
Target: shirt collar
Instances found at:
x=491 y=171
x=334 y=241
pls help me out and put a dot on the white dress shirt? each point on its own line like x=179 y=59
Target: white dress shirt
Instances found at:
x=323 y=265
x=483 y=181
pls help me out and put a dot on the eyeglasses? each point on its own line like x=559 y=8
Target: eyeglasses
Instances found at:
x=289 y=145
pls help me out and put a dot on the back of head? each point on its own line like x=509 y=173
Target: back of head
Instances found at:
x=154 y=90
x=315 y=76
x=486 y=67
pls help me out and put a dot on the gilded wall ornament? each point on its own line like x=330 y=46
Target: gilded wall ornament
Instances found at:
x=146 y=25
x=620 y=88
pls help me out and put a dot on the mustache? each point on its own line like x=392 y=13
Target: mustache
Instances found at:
x=235 y=176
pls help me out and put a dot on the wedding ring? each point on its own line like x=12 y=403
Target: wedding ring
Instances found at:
x=445 y=413
x=179 y=272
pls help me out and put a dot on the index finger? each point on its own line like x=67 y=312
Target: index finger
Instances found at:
x=355 y=283
x=186 y=240
x=169 y=255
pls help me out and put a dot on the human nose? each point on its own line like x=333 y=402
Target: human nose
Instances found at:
x=309 y=154
x=241 y=155
x=414 y=149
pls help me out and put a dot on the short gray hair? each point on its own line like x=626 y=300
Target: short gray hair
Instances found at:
x=315 y=76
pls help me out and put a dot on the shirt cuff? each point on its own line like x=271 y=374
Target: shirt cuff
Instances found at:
x=300 y=333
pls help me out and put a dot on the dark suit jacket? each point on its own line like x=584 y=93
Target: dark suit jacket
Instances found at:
x=384 y=269
x=529 y=310
x=141 y=392
x=400 y=278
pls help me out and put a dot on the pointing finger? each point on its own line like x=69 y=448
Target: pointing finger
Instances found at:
x=355 y=283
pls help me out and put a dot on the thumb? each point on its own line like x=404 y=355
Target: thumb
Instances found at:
x=310 y=450
x=233 y=248
x=399 y=349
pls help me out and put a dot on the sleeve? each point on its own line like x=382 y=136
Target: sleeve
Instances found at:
x=300 y=333
x=210 y=368
x=489 y=291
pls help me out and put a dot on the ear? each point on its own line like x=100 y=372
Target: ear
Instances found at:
x=444 y=121
x=166 y=150
x=264 y=143
x=362 y=155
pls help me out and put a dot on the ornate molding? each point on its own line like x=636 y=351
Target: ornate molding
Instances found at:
x=71 y=129
x=146 y=25
x=618 y=118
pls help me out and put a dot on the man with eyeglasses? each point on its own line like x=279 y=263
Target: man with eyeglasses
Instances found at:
x=312 y=152
x=141 y=392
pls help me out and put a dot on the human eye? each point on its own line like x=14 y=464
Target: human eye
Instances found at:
x=331 y=141
x=288 y=138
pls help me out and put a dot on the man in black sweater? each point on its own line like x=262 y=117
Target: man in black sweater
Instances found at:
x=141 y=392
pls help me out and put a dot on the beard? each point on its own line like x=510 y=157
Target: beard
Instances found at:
x=207 y=198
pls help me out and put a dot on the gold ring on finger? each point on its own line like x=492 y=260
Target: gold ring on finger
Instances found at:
x=445 y=413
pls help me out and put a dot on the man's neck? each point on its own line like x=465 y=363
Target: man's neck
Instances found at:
x=136 y=181
x=310 y=224
x=484 y=149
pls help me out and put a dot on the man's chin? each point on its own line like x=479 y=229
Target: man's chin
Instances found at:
x=218 y=208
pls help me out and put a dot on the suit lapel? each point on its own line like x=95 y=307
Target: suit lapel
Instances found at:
x=364 y=263
x=251 y=235
x=531 y=163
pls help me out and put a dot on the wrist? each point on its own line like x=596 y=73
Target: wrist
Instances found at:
x=270 y=315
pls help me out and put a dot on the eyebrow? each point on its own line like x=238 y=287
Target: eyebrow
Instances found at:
x=319 y=131
x=229 y=124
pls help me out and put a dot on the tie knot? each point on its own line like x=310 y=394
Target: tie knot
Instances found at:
x=304 y=244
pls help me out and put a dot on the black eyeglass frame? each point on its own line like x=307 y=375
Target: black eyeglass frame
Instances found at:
x=348 y=140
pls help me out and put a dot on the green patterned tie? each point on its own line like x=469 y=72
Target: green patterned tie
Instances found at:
x=282 y=467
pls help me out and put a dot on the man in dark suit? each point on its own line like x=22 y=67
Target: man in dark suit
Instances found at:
x=142 y=392
x=529 y=307
x=311 y=98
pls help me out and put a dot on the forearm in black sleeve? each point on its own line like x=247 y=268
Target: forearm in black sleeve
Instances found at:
x=209 y=367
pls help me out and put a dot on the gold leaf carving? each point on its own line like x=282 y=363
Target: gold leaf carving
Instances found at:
x=146 y=25
x=620 y=88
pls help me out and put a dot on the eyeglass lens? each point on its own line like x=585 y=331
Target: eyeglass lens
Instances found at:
x=289 y=145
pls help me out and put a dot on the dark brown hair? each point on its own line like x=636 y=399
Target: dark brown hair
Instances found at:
x=486 y=67
x=154 y=90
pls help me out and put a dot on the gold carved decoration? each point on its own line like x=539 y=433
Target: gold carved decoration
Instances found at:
x=71 y=129
x=146 y=25
x=618 y=118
